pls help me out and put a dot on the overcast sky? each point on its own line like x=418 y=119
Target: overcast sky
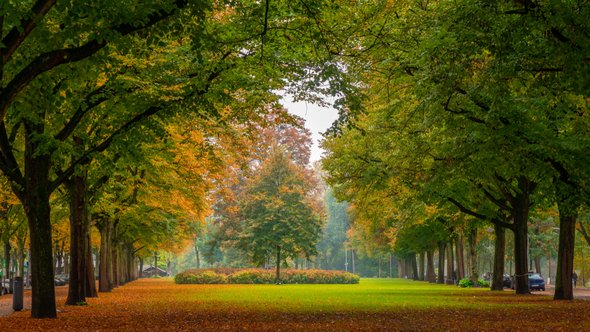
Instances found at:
x=317 y=119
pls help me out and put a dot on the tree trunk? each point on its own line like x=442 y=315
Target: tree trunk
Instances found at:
x=390 y=260
x=7 y=250
x=450 y=261
x=278 y=271
x=104 y=282
x=499 y=253
x=421 y=267
x=140 y=272
x=28 y=279
x=89 y=278
x=430 y=266
x=110 y=257
x=520 y=214
x=538 y=264
x=441 y=263
x=115 y=266
x=414 y=267
x=21 y=259
x=78 y=238
x=401 y=271
x=472 y=242
x=197 y=255
x=568 y=213
x=460 y=259
x=353 y=261
x=36 y=204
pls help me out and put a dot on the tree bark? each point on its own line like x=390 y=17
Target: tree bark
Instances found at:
x=140 y=272
x=430 y=266
x=89 y=278
x=568 y=213
x=441 y=263
x=421 y=267
x=460 y=259
x=197 y=255
x=499 y=253
x=78 y=238
x=352 y=258
x=104 y=282
x=472 y=242
x=537 y=262
x=390 y=261
x=36 y=204
x=278 y=270
x=450 y=261
x=414 y=267
x=7 y=250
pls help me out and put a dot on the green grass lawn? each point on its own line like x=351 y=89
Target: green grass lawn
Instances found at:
x=371 y=295
x=372 y=305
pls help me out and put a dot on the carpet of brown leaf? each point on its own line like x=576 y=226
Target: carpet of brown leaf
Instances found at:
x=161 y=305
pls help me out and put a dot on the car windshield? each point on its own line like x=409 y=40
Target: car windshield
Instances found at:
x=534 y=275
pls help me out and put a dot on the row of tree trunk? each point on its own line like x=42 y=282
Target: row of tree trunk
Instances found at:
x=451 y=263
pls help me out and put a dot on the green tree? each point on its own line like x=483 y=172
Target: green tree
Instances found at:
x=332 y=244
x=277 y=215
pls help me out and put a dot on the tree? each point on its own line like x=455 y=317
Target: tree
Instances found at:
x=63 y=98
x=277 y=215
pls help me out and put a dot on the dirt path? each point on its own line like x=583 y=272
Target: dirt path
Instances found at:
x=580 y=293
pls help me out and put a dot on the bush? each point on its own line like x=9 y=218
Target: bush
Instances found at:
x=200 y=277
x=251 y=276
x=465 y=282
x=468 y=283
x=261 y=276
x=483 y=283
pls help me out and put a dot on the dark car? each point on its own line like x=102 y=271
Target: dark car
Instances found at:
x=507 y=281
x=64 y=277
x=4 y=287
x=536 y=281
x=59 y=281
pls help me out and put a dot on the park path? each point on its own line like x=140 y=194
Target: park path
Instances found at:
x=6 y=300
x=6 y=303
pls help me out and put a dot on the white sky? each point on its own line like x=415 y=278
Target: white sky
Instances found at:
x=317 y=120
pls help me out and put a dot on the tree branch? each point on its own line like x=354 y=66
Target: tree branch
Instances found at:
x=472 y=213
x=17 y=35
x=92 y=100
x=584 y=233
x=47 y=61
x=502 y=205
x=86 y=157
x=12 y=170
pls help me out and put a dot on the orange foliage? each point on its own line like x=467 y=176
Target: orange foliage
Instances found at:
x=157 y=305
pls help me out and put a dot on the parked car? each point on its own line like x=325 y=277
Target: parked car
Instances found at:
x=63 y=277
x=507 y=281
x=59 y=281
x=4 y=287
x=536 y=281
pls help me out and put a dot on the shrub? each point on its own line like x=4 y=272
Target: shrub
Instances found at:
x=465 y=282
x=261 y=276
x=251 y=276
x=200 y=277
x=483 y=283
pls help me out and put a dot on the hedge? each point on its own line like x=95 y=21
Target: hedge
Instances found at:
x=261 y=276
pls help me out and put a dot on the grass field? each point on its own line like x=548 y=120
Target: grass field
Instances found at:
x=374 y=304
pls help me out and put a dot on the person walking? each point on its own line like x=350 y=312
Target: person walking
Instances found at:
x=575 y=279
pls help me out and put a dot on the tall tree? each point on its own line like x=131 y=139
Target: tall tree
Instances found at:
x=278 y=218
